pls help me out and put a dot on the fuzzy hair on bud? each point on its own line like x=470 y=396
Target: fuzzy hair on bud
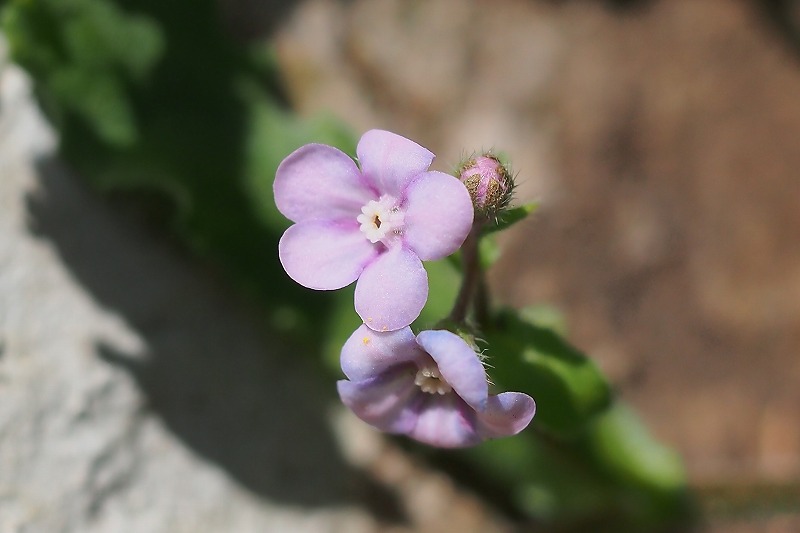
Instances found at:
x=489 y=182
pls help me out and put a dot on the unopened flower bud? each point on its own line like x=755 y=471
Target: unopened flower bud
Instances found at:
x=489 y=183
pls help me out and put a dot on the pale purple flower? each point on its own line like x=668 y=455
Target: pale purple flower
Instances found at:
x=374 y=224
x=432 y=388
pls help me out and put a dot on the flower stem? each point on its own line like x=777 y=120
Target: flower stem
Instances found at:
x=473 y=275
x=481 y=304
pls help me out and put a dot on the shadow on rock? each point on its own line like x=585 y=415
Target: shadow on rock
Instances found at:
x=224 y=388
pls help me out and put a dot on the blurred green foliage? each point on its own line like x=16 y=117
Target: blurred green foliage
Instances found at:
x=85 y=53
x=568 y=387
x=174 y=114
x=191 y=126
x=590 y=465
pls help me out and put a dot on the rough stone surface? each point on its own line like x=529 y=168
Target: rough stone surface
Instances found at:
x=91 y=313
x=137 y=396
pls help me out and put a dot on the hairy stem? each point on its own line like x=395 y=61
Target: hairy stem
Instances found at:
x=471 y=268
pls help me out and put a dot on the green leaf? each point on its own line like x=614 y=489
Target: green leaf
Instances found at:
x=488 y=254
x=87 y=57
x=274 y=134
x=511 y=217
x=100 y=100
x=343 y=320
x=339 y=325
x=545 y=316
x=543 y=480
x=611 y=477
x=619 y=440
x=488 y=251
x=568 y=387
x=443 y=283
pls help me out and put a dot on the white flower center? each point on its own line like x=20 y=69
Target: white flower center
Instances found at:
x=430 y=380
x=381 y=219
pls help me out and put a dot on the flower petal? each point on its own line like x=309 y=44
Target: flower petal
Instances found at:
x=325 y=255
x=388 y=402
x=389 y=162
x=392 y=290
x=368 y=353
x=459 y=365
x=320 y=182
x=438 y=215
x=445 y=421
x=506 y=414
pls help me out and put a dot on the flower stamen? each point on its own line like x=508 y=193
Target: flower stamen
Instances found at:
x=430 y=380
x=381 y=219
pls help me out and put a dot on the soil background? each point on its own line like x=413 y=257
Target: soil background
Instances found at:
x=662 y=139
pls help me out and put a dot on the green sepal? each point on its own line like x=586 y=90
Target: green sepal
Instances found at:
x=509 y=217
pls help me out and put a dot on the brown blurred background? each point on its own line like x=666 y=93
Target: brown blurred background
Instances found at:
x=662 y=140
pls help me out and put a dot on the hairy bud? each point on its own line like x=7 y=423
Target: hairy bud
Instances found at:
x=489 y=183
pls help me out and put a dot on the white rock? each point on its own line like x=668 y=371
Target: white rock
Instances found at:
x=135 y=396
